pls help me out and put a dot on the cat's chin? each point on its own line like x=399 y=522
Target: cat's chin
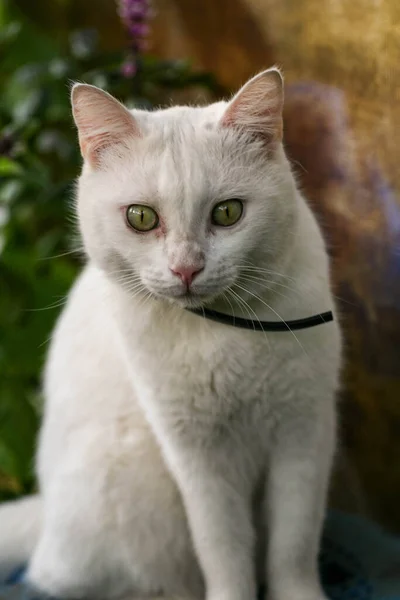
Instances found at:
x=189 y=300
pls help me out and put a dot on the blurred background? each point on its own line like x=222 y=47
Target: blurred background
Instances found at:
x=341 y=59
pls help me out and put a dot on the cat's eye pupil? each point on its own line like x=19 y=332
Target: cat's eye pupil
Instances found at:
x=141 y=217
x=227 y=212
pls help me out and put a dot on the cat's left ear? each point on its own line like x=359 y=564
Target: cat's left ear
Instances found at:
x=257 y=107
x=102 y=122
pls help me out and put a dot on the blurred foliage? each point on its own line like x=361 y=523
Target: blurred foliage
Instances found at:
x=39 y=159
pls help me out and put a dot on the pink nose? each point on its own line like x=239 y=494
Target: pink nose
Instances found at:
x=187 y=274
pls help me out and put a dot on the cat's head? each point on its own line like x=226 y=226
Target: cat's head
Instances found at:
x=177 y=202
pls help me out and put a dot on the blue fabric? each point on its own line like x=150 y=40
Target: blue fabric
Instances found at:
x=358 y=561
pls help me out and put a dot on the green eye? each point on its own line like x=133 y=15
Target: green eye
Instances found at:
x=227 y=213
x=141 y=218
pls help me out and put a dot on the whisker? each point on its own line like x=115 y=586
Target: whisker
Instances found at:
x=298 y=282
x=259 y=282
x=124 y=279
x=46 y=341
x=226 y=297
x=57 y=304
x=248 y=307
x=75 y=251
x=135 y=288
x=244 y=304
x=278 y=283
x=124 y=272
x=296 y=162
x=243 y=279
x=274 y=311
x=248 y=266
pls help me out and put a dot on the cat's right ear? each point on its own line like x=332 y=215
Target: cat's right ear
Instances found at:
x=257 y=107
x=102 y=122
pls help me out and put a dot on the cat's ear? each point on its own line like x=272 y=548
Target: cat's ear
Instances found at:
x=257 y=107
x=102 y=122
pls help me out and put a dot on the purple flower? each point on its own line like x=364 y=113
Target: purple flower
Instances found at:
x=135 y=15
x=138 y=30
x=129 y=68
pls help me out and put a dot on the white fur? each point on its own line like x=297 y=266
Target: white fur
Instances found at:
x=19 y=531
x=170 y=442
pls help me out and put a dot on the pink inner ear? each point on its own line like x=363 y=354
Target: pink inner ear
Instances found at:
x=102 y=122
x=257 y=107
x=92 y=147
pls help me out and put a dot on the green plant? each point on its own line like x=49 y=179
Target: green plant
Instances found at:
x=39 y=159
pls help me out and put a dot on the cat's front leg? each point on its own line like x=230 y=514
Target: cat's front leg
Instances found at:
x=216 y=496
x=300 y=464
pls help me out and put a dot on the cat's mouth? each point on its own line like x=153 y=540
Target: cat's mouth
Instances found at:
x=189 y=298
x=198 y=295
x=195 y=300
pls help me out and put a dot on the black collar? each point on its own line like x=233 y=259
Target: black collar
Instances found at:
x=320 y=319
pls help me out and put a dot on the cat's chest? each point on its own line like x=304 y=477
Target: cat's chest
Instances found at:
x=213 y=369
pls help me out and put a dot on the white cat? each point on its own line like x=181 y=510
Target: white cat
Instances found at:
x=180 y=457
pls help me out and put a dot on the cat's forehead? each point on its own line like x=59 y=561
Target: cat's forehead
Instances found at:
x=185 y=153
x=183 y=157
x=192 y=141
x=179 y=117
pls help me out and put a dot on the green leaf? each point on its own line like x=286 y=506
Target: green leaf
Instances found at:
x=29 y=106
x=7 y=460
x=10 y=191
x=9 y=167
